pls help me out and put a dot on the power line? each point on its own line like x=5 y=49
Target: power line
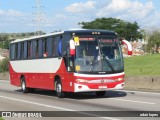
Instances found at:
x=39 y=16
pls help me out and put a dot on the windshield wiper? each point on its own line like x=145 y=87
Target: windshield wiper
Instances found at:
x=109 y=64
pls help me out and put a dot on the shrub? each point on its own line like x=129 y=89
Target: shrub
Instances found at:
x=4 y=65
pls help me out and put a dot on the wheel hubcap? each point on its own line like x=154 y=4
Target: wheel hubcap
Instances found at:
x=23 y=85
x=59 y=88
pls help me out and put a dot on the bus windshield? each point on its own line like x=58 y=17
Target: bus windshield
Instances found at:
x=100 y=54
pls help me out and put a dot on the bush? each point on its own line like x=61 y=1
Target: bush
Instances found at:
x=4 y=65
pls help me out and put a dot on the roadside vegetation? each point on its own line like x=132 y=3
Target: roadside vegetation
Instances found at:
x=4 y=65
x=2 y=118
x=147 y=65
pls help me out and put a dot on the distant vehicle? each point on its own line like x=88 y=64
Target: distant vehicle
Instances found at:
x=69 y=61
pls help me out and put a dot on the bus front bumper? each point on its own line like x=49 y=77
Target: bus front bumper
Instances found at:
x=91 y=88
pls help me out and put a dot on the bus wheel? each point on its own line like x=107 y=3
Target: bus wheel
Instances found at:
x=23 y=85
x=100 y=93
x=59 y=92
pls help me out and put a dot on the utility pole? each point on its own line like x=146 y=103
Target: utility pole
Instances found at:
x=38 y=16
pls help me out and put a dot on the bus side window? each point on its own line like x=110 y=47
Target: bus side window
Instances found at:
x=16 y=51
x=33 y=49
x=22 y=50
x=36 y=45
x=25 y=50
x=45 y=54
x=49 y=46
x=54 y=46
x=19 y=51
x=40 y=48
x=60 y=46
x=12 y=52
x=29 y=49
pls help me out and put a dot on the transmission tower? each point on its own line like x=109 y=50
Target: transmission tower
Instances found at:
x=38 y=16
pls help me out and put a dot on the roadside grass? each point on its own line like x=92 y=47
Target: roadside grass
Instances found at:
x=1 y=118
x=147 y=65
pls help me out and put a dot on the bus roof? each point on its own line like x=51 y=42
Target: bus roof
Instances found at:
x=70 y=31
x=36 y=37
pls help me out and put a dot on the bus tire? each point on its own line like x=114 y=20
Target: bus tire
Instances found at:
x=100 y=93
x=59 y=91
x=23 y=85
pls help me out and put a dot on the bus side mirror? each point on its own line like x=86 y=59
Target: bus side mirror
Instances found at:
x=72 y=47
x=129 y=46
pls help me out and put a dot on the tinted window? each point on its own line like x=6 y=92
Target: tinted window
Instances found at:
x=19 y=51
x=50 y=47
x=16 y=51
x=45 y=54
x=25 y=50
x=40 y=50
x=56 y=45
x=12 y=52
x=22 y=50
x=34 y=48
x=29 y=49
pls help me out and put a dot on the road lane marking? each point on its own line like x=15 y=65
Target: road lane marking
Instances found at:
x=55 y=107
x=132 y=101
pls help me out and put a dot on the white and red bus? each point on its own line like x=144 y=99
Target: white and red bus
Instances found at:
x=68 y=61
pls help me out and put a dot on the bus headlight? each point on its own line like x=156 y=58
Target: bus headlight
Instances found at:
x=81 y=81
x=119 y=79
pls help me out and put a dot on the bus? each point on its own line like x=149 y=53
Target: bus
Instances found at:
x=68 y=62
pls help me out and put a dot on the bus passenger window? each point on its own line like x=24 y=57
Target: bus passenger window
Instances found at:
x=40 y=50
x=45 y=54
x=29 y=49
x=12 y=52
x=34 y=48
x=49 y=46
x=16 y=51
x=60 y=46
x=22 y=50
x=54 y=46
x=19 y=51
x=25 y=50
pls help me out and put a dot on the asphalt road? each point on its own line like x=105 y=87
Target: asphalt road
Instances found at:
x=80 y=104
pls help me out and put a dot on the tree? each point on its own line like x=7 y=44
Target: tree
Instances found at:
x=4 y=41
x=127 y=30
x=154 y=42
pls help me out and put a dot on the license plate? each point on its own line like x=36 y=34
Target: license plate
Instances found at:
x=102 y=87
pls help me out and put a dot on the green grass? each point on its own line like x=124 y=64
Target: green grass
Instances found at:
x=1 y=118
x=147 y=65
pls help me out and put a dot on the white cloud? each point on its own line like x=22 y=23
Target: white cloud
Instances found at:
x=13 y=13
x=126 y=8
x=80 y=7
x=1 y=12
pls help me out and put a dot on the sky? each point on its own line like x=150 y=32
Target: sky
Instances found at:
x=20 y=15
